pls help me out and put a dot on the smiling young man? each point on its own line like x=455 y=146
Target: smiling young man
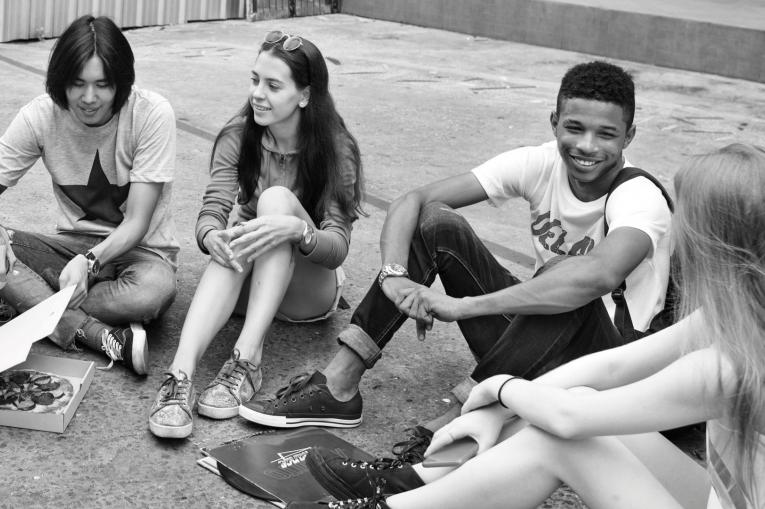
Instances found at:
x=110 y=151
x=520 y=328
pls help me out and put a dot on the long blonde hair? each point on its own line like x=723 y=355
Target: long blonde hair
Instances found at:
x=719 y=229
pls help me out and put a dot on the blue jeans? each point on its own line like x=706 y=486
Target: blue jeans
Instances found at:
x=137 y=286
x=444 y=244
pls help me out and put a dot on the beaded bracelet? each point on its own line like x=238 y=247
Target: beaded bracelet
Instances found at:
x=499 y=391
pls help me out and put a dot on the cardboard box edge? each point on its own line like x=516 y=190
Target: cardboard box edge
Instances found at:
x=55 y=423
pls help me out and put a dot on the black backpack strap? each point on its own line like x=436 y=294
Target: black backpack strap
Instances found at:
x=622 y=318
x=630 y=173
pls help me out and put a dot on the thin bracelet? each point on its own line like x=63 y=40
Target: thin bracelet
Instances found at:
x=499 y=391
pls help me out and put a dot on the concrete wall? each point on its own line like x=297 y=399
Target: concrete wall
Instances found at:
x=694 y=45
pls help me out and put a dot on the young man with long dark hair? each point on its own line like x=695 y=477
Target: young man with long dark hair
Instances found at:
x=110 y=150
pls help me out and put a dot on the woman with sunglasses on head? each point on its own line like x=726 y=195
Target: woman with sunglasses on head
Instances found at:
x=294 y=169
x=590 y=421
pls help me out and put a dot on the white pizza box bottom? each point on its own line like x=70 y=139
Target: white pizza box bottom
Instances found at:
x=79 y=373
x=16 y=338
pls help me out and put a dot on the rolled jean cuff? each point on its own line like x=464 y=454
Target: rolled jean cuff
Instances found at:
x=462 y=390
x=362 y=345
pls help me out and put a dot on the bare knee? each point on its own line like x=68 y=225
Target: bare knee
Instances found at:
x=581 y=390
x=278 y=200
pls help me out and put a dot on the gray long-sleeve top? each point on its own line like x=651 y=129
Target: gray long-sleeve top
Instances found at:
x=334 y=231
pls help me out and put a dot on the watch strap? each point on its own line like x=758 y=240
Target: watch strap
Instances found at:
x=94 y=265
x=307 y=238
x=391 y=270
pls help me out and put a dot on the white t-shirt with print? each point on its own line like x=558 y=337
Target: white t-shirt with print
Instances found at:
x=561 y=224
x=92 y=167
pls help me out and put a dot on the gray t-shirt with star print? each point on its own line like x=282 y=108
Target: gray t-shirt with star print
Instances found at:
x=92 y=167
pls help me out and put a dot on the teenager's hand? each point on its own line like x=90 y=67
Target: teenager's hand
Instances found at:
x=432 y=303
x=483 y=394
x=392 y=286
x=75 y=273
x=258 y=236
x=483 y=426
x=7 y=257
x=396 y=289
x=216 y=243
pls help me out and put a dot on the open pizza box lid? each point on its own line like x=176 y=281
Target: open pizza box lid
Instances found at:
x=16 y=339
x=17 y=336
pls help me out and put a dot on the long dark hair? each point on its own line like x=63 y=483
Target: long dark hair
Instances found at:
x=320 y=132
x=86 y=37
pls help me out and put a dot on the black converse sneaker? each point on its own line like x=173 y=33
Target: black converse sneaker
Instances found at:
x=376 y=501
x=346 y=478
x=306 y=401
x=128 y=345
x=358 y=503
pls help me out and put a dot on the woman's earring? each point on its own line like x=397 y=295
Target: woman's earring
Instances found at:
x=303 y=104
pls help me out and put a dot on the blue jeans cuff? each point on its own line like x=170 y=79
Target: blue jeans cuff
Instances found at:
x=462 y=390
x=361 y=343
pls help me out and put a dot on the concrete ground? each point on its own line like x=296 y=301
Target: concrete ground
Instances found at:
x=424 y=104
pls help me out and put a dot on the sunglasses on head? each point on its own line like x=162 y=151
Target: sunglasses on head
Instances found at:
x=291 y=42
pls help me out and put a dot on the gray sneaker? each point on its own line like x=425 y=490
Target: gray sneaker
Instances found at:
x=236 y=383
x=170 y=415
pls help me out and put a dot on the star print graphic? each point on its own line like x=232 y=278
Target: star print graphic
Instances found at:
x=99 y=199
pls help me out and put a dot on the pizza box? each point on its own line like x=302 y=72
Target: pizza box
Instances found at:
x=16 y=339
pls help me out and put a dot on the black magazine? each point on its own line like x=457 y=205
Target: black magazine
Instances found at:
x=271 y=466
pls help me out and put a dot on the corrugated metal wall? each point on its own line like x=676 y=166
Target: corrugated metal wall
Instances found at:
x=272 y=9
x=33 y=19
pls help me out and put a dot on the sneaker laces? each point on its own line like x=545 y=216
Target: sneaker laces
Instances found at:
x=376 y=464
x=233 y=372
x=174 y=390
x=113 y=348
x=411 y=450
x=296 y=384
x=376 y=501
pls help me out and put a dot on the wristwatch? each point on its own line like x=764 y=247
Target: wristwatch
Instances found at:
x=307 y=237
x=94 y=266
x=391 y=270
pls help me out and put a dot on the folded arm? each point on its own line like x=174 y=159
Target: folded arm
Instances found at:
x=607 y=369
x=685 y=392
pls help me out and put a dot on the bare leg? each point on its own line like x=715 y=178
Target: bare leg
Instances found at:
x=271 y=274
x=282 y=280
x=344 y=373
x=210 y=308
x=523 y=470
x=429 y=475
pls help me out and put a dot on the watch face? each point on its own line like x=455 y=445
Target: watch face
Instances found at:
x=308 y=235
x=94 y=266
x=391 y=269
x=395 y=270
